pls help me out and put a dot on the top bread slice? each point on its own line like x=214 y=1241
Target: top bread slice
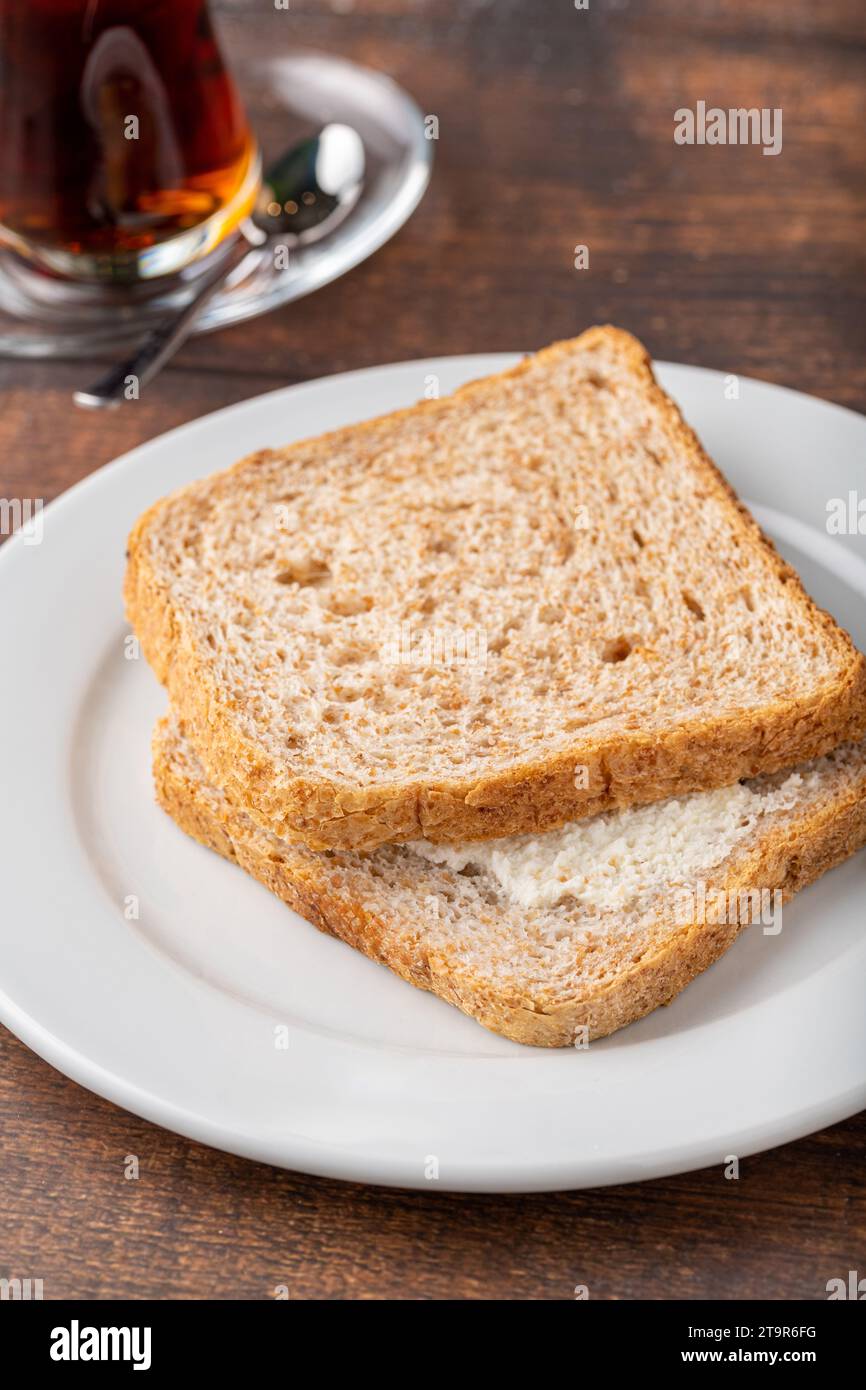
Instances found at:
x=487 y=615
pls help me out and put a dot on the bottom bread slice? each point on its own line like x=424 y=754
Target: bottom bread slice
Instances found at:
x=562 y=937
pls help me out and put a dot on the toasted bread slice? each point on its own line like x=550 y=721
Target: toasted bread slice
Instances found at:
x=558 y=938
x=489 y=614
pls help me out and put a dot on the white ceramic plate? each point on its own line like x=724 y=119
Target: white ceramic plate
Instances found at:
x=174 y=1015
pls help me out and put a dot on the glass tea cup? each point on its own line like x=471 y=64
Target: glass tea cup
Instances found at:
x=125 y=152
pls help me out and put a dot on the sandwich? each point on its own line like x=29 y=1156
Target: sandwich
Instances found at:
x=489 y=686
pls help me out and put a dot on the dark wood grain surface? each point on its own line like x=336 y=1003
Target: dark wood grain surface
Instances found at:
x=556 y=129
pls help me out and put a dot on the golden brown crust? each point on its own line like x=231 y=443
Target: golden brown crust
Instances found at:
x=626 y=768
x=787 y=858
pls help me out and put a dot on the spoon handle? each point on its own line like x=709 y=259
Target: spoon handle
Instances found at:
x=161 y=342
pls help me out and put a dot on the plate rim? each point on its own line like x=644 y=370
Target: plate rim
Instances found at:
x=525 y=1176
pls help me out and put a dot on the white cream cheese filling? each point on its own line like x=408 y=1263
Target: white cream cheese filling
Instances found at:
x=613 y=860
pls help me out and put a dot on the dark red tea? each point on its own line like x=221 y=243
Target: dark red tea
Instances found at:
x=124 y=149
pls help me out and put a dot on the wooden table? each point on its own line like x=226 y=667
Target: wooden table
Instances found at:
x=556 y=129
